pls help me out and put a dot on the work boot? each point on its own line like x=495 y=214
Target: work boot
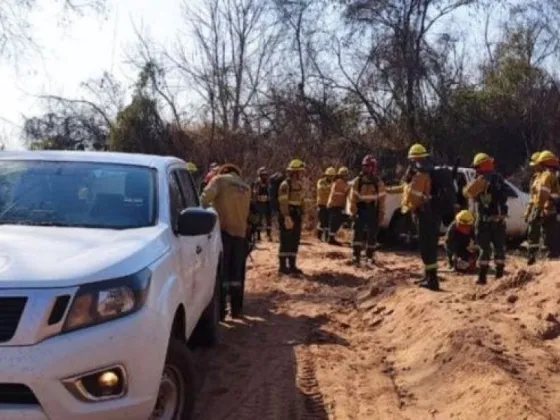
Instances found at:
x=499 y=271
x=283 y=267
x=532 y=259
x=333 y=241
x=431 y=281
x=370 y=257
x=258 y=235
x=356 y=259
x=320 y=235
x=269 y=234
x=482 y=275
x=293 y=266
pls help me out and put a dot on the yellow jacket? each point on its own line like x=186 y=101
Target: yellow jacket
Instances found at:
x=417 y=192
x=290 y=194
x=323 y=191
x=231 y=197
x=546 y=190
x=533 y=194
x=337 y=196
x=371 y=190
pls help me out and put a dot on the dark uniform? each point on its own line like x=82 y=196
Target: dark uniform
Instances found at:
x=460 y=248
x=263 y=208
x=335 y=206
x=323 y=191
x=367 y=205
x=491 y=210
x=542 y=219
x=290 y=199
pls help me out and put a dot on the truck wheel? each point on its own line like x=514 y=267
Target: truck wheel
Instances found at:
x=175 y=400
x=207 y=330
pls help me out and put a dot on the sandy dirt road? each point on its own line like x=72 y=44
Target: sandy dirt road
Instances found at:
x=347 y=343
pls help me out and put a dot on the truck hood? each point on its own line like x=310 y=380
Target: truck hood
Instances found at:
x=37 y=256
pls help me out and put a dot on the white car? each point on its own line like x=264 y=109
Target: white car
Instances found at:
x=516 y=227
x=108 y=266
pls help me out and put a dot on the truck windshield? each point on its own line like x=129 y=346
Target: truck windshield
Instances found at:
x=77 y=194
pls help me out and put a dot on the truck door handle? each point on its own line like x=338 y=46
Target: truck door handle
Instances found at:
x=198 y=249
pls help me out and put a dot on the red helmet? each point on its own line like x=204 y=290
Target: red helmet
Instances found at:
x=369 y=162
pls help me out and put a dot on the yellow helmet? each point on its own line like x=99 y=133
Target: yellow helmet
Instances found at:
x=417 y=151
x=534 y=158
x=296 y=165
x=481 y=158
x=330 y=171
x=464 y=217
x=545 y=156
x=191 y=167
x=343 y=170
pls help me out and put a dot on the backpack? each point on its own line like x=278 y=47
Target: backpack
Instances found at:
x=273 y=187
x=444 y=192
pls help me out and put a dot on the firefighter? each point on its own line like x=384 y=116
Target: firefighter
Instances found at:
x=323 y=190
x=262 y=204
x=231 y=197
x=290 y=200
x=542 y=220
x=336 y=203
x=460 y=246
x=367 y=206
x=416 y=201
x=532 y=183
x=489 y=194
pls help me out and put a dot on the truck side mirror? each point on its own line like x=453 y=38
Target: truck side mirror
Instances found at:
x=196 y=221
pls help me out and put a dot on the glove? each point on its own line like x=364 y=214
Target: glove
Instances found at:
x=288 y=223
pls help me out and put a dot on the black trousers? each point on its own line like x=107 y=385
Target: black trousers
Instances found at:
x=323 y=222
x=335 y=220
x=428 y=228
x=366 y=228
x=264 y=212
x=234 y=265
x=290 y=239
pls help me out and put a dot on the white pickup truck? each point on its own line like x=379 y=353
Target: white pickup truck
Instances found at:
x=393 y=223
x=108 y=267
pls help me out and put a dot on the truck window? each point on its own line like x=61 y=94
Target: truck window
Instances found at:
x=188 y=189
x=176 y=203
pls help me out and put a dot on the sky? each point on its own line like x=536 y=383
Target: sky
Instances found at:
x=70 y=53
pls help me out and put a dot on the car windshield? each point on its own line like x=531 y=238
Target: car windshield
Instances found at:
x=77 y=194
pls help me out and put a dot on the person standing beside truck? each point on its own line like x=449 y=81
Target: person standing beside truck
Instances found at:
x=231 y=197
x=542 y=219
x=489 y=194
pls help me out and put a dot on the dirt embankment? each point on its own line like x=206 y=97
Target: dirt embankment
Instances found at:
x=347 y=343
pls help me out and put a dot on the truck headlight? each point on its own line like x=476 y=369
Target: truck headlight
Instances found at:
x=103 y=301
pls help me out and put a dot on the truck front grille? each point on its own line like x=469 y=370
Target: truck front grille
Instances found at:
x=11 y=309
x=17 y=394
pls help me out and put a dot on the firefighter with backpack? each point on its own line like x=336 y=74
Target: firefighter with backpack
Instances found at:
x=542 y=218
x=336 y=203
x=367 y=207
x=290 y=201
x=460 y=246
x=323 y=191
x=261 y=204
x=416 y=200
x=489 y=194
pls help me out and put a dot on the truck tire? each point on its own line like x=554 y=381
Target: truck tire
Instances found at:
x=206 y=332
x=177 y=387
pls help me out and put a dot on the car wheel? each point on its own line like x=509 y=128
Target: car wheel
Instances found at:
x=207 y=330
x=175 y=400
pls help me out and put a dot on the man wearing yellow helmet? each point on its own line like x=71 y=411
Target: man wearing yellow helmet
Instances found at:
x=416 y=200
x=262 y=204
x=290 y=200
x=459 y=243
x=336 y=203
x=323 y=190
x=537 y=169
x=231 y=197
x=542 y=220
x=488 y=191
